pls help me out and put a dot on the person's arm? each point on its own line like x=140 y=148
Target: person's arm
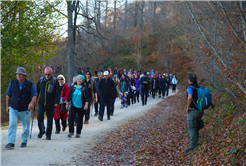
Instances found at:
x=189 y=100
x=94 y=90
x=58 y=94
x=34 y=95
x=87 y=99
x=38 y=87
x=66 y=92
x=7 y=103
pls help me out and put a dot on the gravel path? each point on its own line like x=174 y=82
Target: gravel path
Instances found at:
x=61 y=150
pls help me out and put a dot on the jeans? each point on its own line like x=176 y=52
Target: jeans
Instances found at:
x=193 y=121
x=50 y=113
x=105 y=100
x=14 y=117
x=79 y=120
x=144 y=95
x=112 y=104
x=163 y=91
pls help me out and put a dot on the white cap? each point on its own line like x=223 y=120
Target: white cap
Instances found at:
x=105 y=73
x=147 y=72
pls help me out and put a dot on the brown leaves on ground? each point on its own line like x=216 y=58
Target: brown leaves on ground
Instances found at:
x=161 y=137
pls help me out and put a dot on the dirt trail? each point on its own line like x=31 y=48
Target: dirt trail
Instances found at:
x=61 y=150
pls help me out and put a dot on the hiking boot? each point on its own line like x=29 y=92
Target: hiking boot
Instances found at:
x=86 y=122
x=95 y=114
x=162 y=97
x=64 y=128
x=190 y=149
x=100 y=118
x=159 y=96
x=108 y=118
x=10 y=146
x=40 y=135
x=23 y=145
x=143 y=104
x=57 y=132
x=121 y=107
x=77 y=136
x=48 y=137
x=111 y=113
x=70 y=135
x=126 y=105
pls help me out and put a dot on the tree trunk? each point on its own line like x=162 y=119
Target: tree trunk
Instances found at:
x=154 y=18
x=125 y=17
x=98 y=15
x=106 y=15
x=136 y=14
x=114 y=14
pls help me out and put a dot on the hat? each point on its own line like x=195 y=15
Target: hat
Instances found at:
x=61 y=77
x=82 y=77
x=145 y=73
x=105 y=73
x=21 y=70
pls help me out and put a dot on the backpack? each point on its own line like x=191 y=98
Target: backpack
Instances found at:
x=204 y=98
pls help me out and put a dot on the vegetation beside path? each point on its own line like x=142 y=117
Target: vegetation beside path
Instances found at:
x=161 y=137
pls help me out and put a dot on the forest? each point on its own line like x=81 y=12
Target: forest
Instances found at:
x=181 y=37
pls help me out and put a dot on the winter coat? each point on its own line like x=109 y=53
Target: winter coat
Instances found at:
x=126 y=85
x=163 y=83
x=137 y=84
x=155 y=83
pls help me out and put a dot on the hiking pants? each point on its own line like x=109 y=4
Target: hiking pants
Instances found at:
x=193 y=121
x=14 y=117
x=105 y=100
x=144 y=95
x=87 y=112
x=112 y=101
x=96 y=104
x=79 y=119
x=160 y=91
x=174 y=88
x=167 y=89
x=163 y=91
x=50 y=114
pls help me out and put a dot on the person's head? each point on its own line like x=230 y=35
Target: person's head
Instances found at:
x=159 y=75
x=61 y=79
x=21 y=74
x=192 y=78
x=129 y=75
x=163 y=76
x=106 y=73
x=123 y=76
x=99 y=75
x=74 y=79
x=145 y=74
x=48 y=72
x=174 y=76
x=80 y=79
x=152 y=69
x=88 y=74
x=116 y=68
x=136 y=76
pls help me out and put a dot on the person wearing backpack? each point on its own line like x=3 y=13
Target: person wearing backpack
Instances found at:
x=20 y=100
x=199 y=99
x=79 y=97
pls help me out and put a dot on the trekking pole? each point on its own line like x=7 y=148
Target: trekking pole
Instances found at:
x=32 y=121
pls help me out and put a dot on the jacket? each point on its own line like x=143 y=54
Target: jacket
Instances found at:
x=84 y=96
x=106 y=86
x=163 y=83
x=126 y=85
x=49 y=91
x=137 y=84
x=155 y=80
x=97 y=82
x=145 y=79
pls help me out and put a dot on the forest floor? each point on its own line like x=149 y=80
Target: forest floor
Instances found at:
x=61 y=150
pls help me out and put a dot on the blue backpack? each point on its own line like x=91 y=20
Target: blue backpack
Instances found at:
x=204 y=98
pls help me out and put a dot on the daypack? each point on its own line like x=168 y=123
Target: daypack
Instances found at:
x=204 y=98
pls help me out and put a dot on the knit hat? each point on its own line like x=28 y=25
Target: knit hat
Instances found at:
x=61 y=77
x=82 y=77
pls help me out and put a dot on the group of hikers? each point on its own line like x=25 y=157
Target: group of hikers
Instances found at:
x=57 y=98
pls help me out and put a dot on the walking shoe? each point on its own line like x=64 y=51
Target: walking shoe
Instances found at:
x=10 y=146
x=23 y=145
x=70 y=135
x=126 y=105
x=108 y=118
x=86 y=122
x=162 y=97
x=100 y=118
x=121 y=107
x=159 y=96
x=40 y=135
x=57 y=132
x=190 y=149
x=64 y=128
x=77 y=136
x=48 y=137
x=112 y=114
x=95 y=114
x=143 y=104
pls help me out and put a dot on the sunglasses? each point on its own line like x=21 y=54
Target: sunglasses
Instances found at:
x=87 y=74
x=47 y=74
x=60 y=79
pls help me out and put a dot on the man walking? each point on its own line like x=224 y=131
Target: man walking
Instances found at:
x=97 y=82
x=145 y=83
x=106 y=87
x=20 y=99
x=48 y=88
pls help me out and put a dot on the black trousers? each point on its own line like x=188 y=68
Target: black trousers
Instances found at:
x=58 y=126
x=174 y=88
x=105 y=100
x=72 y=114
x=167 y=89
x=159 y=92
x=87 y=112
x=50 y=114
x=136 y=96
x=153 y=93
x=144 y=95
x=112 y=101
x=131 y=94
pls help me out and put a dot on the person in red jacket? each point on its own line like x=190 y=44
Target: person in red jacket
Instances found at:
x=61 y=111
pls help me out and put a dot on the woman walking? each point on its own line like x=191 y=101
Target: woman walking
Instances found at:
x=138 y=87
x=123 y=87
x=61 y=111
x=174 y=82
x=78 y=96
x=163 y=85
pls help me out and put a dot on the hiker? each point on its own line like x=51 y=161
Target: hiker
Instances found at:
x=123 y=89
x=154 y=85
x=132 y=88
x=106 y=87
x=159 y=83
x=163 y=86
x=116 y=73
x=168 y=83
x=113 y=98
x=119 y=74
x=20 y=100
x=99 y=93
x=174 y=83
x=79 y=98
x=137 y=85
x=61 y=111
x=194 y=115
x=90 y=84
x=145 y=83
x=48 y=88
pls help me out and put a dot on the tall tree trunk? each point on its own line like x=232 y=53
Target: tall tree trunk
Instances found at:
x=98 y=15
x=114 y=14
x=71 y=46
x=154 y=17
x=125 y=17
x=106 y=15
x=87 y=15
x=136 y=14
x=141 y=15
